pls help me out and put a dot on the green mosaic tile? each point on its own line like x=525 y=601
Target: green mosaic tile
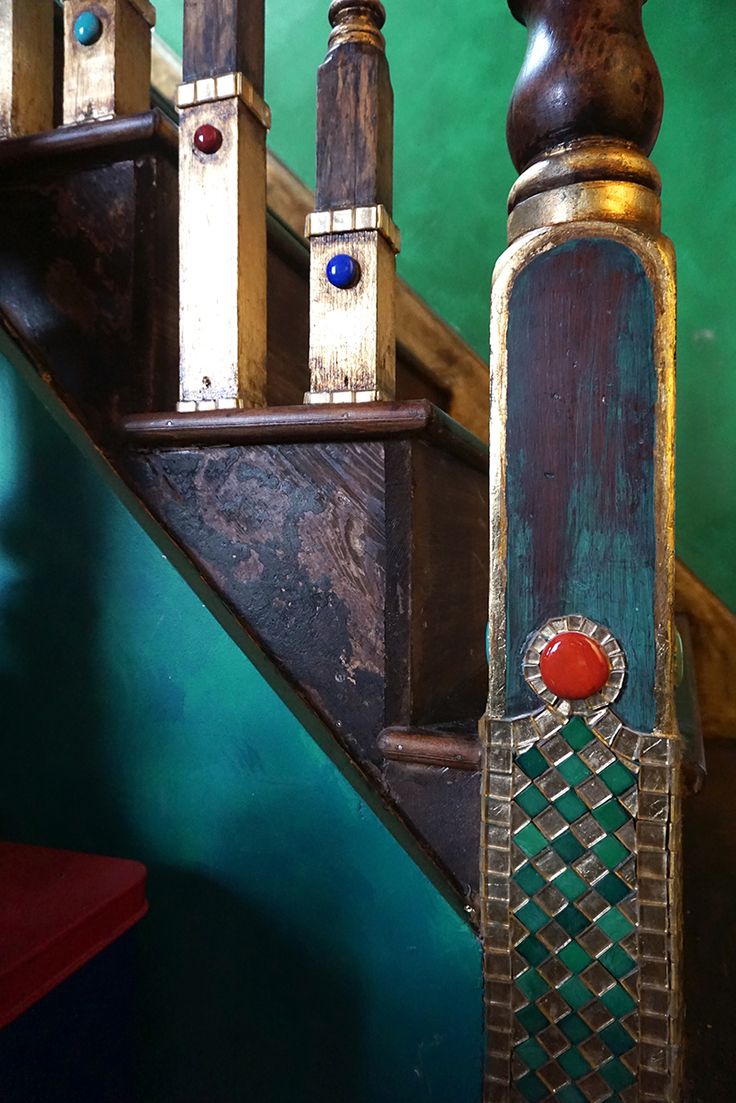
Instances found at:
x=574 y=1029
x=612 y=888
x=532 y=763
x=532 y=985
x=532 y=1019
x=616 y=1075
x=532 y=950
x=574 y=957
x=577 y=734
x=570 y=885
x=529 y=880
x=568 y=847
x=574 y=770
x=618 y=1001
x=617 y=778
x=615 y=924
x=570 y=806
x=611 y=815
x=571 y=920
x=574 y=1064
x=618 y=1040
x=530 y=840
x=617 y=961
x=532 y=916
x=610 y=851
x=575 y=993
x=532 y=801
x=570 y=1094
x=532 y=1088
x=532 y=1054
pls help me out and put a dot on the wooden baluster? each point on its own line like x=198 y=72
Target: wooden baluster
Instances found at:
x=107 y=58
x=26 y=67
x=581 y=836
x=352 y=347
x=222 y=220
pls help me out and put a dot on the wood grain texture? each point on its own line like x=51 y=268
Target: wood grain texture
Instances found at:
x=713 y=634
x=224 y=36
x=26 y=67
x=580 y=442
x=355 y=112
x=588 y=72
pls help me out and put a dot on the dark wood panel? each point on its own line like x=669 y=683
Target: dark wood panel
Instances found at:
x=224 y=36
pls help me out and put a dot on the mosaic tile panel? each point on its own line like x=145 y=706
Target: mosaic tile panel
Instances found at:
x=574 y=920
x=579 y=890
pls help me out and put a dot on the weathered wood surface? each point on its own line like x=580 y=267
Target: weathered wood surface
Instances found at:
x=355 y=111
x=224 y=36
x=588 y=72
x=360 y=569
x=579 y=446
x=713 y=634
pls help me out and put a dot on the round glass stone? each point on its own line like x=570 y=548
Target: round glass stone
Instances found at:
x=574 y=666
x=207 y=138
x=343 y=271
x=87 y=28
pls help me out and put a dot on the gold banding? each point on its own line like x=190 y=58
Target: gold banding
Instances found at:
x=222 y=299
x=352 y=343
x=579 y=162
x=351 y=219
x=357 y=22
x=225 y=87
x=619 y=201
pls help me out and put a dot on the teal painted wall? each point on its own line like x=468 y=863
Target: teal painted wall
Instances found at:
x=453 y=68
x=293 y=951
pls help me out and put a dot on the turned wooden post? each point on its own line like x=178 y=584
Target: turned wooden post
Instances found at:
x=222 y=220
x=580 y=866
x=107 y=58
x=26 y=67
x=352 y=347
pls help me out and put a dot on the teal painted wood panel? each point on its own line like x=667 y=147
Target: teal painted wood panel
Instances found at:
x=582 y=390
x=293 y=950
x=453 y=70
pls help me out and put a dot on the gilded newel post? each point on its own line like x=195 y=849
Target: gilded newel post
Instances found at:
x=222 y=215
x=353 y=240
x=26 y=67
x=107 y=58
x=580 y=867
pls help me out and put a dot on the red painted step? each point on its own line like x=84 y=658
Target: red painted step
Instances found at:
x=57 y=910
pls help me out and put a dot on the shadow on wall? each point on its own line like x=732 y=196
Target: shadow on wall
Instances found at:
x=292 y=952
x=230 y=1008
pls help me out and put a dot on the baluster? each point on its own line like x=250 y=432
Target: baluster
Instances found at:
x=581 y=835
x=107 y=58
x=26 y=67
x=222 y=221
x=353 y=240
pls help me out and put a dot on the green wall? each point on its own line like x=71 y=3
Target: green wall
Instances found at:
x=293 y=951
x=453 y=68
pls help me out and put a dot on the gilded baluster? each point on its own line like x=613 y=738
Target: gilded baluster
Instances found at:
x=222 y=219
x=580 y=864
x=353 y=240
x=107 y=58
x=26 y=67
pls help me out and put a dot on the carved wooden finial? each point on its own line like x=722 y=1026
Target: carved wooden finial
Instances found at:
x=357 y=21
x=353 y=240
x=588 y=73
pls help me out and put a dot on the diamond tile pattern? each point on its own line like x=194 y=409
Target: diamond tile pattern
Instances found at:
x=572 y=807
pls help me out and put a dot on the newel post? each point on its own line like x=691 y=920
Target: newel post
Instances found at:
x=354 y=242
x=580 y=869
x=222 y=219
